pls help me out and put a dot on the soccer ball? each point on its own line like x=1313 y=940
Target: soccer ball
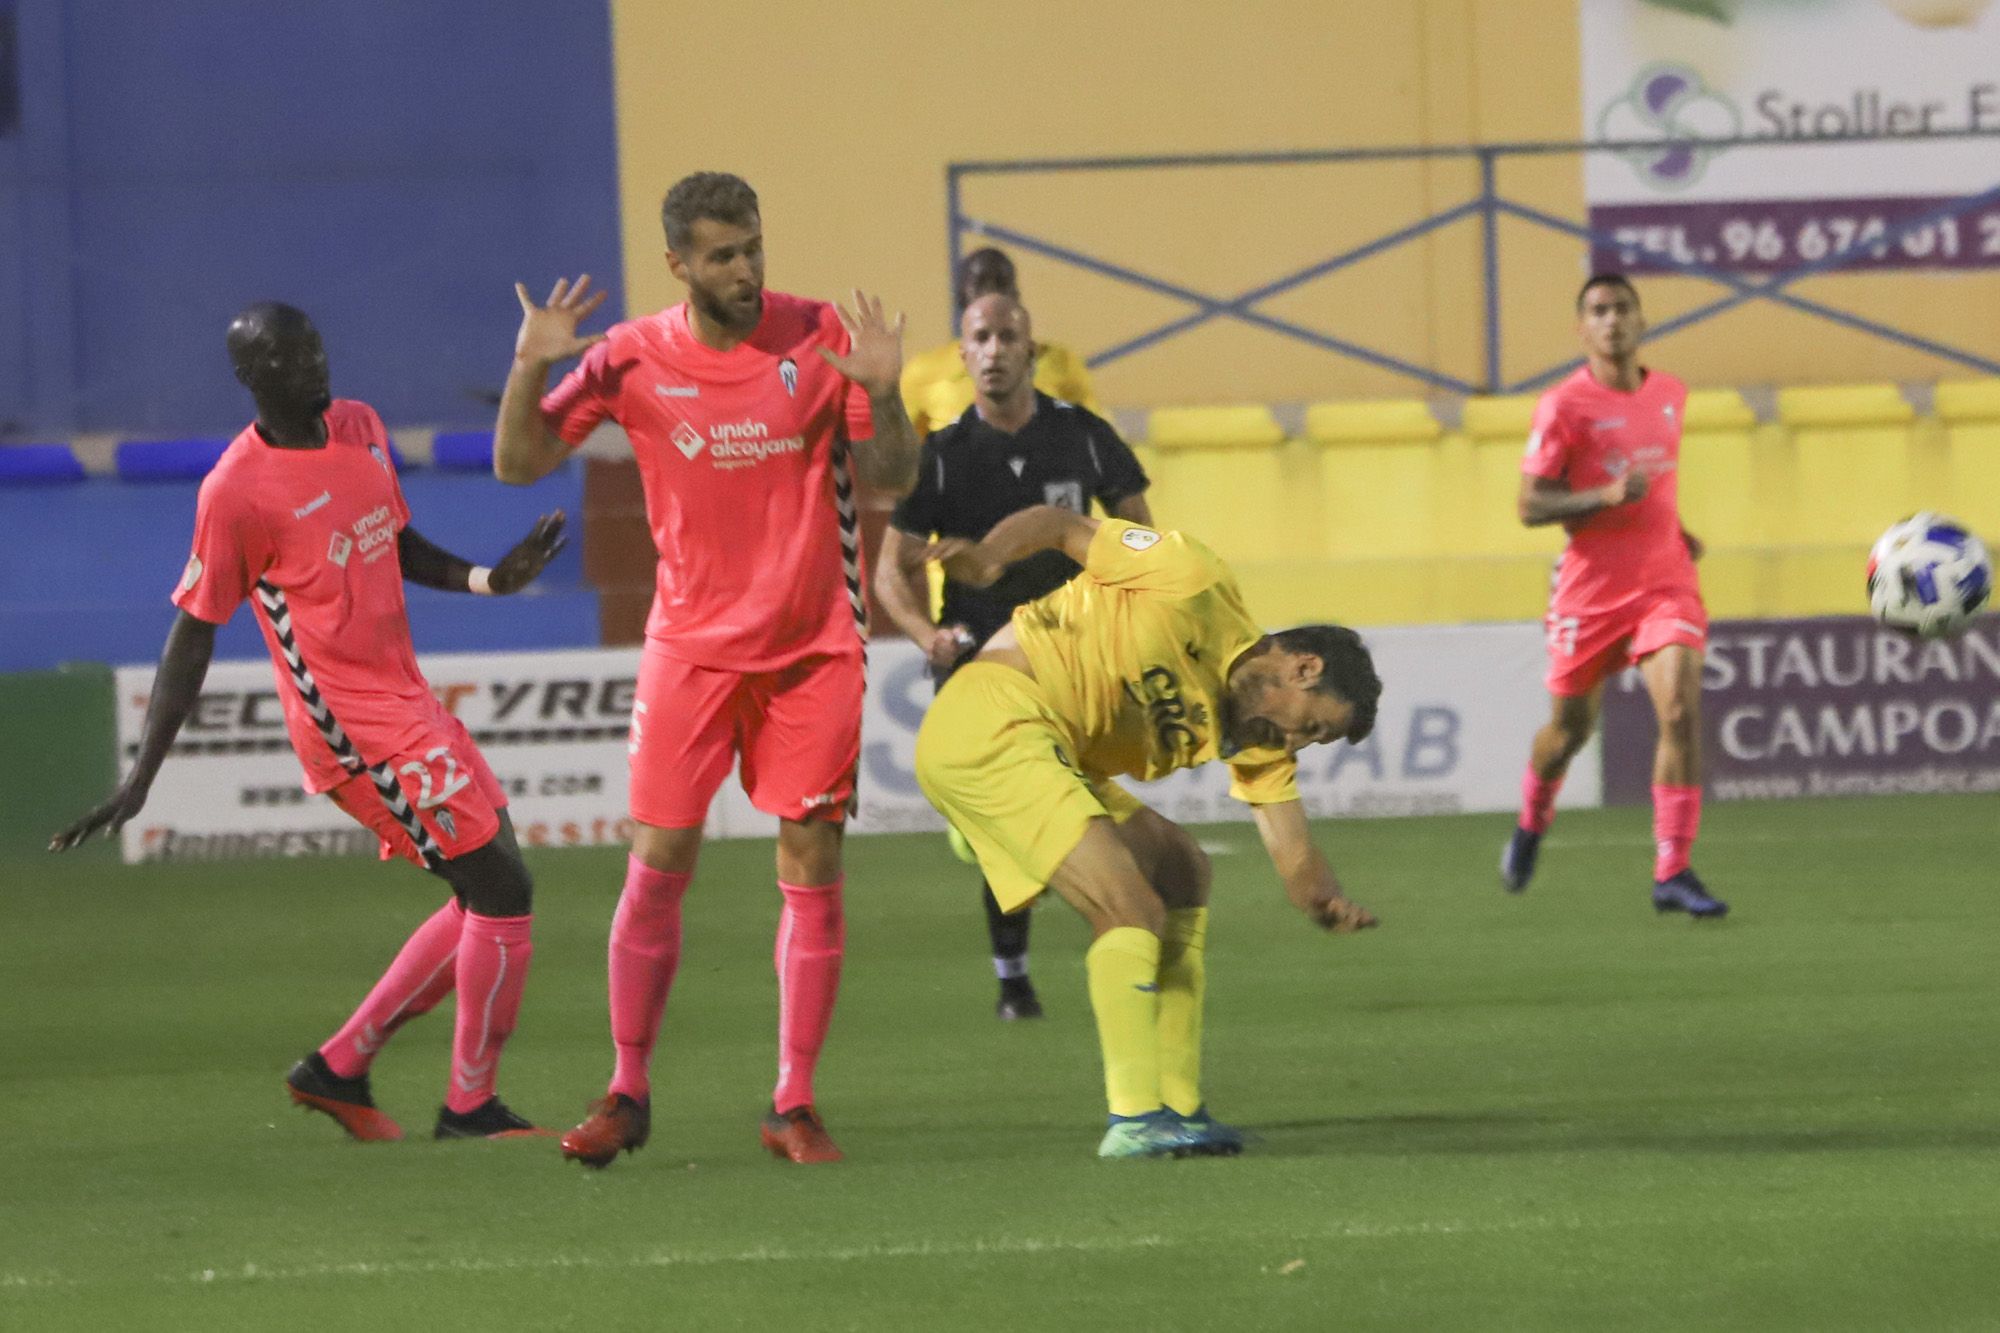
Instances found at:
x=1928 y=575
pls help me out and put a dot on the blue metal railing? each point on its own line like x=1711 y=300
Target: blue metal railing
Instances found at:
x=1489 y=205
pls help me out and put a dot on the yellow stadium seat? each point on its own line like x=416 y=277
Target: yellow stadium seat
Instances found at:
x=1380 y=478
x=1968 y=400
x=1245 y=503
x=1379 y=421
x=1721 y=501
x=1508 y=416
x=1213 y=428
x=1969 y=490
x=1852 y=465
x=1835 y=405
x=1487 y=519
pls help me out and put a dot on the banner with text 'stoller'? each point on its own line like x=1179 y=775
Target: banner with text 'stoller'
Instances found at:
x=1790 y=73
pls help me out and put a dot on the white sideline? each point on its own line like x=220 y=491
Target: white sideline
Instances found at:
x=1009 y=1246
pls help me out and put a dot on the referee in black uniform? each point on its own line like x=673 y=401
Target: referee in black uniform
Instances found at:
x=1013 y=448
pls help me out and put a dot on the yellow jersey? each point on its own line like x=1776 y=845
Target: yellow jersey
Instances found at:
x=937 y=388
x=1134 y=653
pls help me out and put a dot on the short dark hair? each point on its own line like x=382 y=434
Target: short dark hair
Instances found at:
x=1346 y=669
x=1606 y=279
x=715 y=195
x=984 y=271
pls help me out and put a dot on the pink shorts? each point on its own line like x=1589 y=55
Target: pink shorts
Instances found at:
x=797 y=730
x=447 y=785
x=1584 y=649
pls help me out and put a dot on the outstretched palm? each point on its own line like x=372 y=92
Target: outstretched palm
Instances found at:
x=548 y=332
x=874 y=357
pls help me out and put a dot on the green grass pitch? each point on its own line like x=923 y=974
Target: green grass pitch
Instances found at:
x=1556 y=1111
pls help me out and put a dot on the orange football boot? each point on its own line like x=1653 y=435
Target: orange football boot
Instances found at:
x=615 y=1124
x=797 y=1134
x=313 y=1085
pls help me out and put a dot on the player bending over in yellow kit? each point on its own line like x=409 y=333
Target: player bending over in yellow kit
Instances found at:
x=1144 y=663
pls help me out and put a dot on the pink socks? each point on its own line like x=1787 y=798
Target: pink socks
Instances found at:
x=1676 y=817
x=811 y=935
x=645 y=951
x=420 y=976
x=1538 y=801
x=493 y=954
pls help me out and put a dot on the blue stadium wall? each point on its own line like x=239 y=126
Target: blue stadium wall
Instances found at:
x=392 y=166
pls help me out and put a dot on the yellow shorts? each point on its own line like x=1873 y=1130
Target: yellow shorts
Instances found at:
x=1000 y=765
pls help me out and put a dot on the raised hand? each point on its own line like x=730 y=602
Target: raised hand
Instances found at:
x=530 y=556
x=874 y=359
x=111 y=816
x=548 y=332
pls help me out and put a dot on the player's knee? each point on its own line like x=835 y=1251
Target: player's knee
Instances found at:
x=1187 y=874
x=1679 y=716
x=501 y=886
x=1138 y=907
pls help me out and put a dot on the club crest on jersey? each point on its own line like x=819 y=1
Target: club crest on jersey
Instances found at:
x=788 y=375
x=447 y=823
x=1139 y=539
x=381 y=459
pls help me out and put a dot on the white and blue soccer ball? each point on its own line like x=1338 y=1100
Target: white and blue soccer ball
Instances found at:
x=1928 y=576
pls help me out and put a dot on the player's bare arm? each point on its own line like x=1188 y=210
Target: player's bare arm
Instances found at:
x=524 y=448
x=1016 y=537
x=176 y=688
x=431 y=566
x=899 y=588
x=1545 y=500
x=1309 y=880
x=887 y=460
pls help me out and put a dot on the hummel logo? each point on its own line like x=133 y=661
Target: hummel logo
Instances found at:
x=677 y=390
x=688 y=440
x=370 y=1040
x=1609 y=423
x=1151 y=987
x=471 y=1076
x=311 y=505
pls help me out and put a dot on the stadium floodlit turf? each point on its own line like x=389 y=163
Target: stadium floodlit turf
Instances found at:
x=1547 y=1111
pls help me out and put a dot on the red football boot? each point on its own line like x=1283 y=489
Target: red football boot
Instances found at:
x=313 y=1085
x=798 y=1134
x=616 y=1124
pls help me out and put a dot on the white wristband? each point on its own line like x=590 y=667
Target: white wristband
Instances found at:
x=480 y=580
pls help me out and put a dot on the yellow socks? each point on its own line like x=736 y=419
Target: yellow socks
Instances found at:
x=1124 y=968
x=1183 y=979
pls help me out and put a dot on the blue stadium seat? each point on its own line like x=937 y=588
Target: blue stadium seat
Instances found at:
x=463 y=451
x=38 y=465
x=168 y=460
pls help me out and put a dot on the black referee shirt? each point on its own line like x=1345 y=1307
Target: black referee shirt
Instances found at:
x=971 y=476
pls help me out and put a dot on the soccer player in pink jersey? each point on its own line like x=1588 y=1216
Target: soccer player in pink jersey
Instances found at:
x=1603 y=461
x=744 y=409
x=303 y=517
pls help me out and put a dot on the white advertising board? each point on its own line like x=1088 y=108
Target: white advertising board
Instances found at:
x=1789 y=72
x=1458 y=707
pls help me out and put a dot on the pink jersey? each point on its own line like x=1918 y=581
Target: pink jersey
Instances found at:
x=1585 y=435
x=309 y=537
x=736 y=452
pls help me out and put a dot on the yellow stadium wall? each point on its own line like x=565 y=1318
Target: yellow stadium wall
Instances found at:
x=844 y=118
x=1415 y=532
